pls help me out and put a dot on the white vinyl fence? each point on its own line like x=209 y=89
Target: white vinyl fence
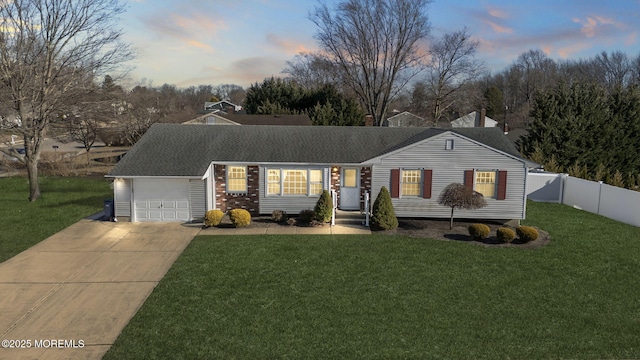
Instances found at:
x=613 y=202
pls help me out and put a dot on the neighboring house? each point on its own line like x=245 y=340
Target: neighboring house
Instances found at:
x=474 y=119
x=405 y=119
x=178 y=172
x=233 y=119
x=223 y=105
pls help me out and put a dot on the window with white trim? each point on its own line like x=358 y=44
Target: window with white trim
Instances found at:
x=273 y=182
x=411 y=181
x=315 y=182
x=485 y=183
x=448 y=144
x=294 y=182
x=287 y=182
x=236 y=179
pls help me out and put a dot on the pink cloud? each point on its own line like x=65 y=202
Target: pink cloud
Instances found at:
x=288 y=46
x=498 y=13
x=199 y=45
x=498 y=28
x=495 y=18
x=195 y=30
x=568 y=51
x=593 y=24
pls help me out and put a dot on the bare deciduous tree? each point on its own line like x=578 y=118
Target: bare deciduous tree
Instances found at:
x=374 y=44
x=313 y=70
x=452 y=66
x=49 y=49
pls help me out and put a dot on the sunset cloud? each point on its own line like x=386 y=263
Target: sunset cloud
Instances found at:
x=568 y=51
x=592 y=24
x=175 y=39
x=495 y=18
x=196 y=31
x=498 y=13
x=499 y=28
x=288 y=46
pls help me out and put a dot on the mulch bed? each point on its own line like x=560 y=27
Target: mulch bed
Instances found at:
x=439 y=229
x=427 y=228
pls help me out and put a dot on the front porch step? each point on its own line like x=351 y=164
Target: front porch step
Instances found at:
x=349 y=217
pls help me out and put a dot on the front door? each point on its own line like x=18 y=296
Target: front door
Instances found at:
x=350 y=189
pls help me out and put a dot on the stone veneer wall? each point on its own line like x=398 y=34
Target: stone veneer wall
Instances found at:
x=248 y=201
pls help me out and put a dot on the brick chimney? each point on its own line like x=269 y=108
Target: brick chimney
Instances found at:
x=483 y=115
x=231 y=109
x=368 y=120
x=506 y=128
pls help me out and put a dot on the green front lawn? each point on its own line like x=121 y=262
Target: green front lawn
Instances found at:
x=390 y=297
x=63 y=202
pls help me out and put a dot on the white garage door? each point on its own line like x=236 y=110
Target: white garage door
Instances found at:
x=161 y=200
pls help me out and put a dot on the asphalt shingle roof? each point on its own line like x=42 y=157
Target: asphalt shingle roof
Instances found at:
x=187 y=150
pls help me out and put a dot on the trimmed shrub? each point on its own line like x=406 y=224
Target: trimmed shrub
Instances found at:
x=306 y=216
x=383 y=217
x=505 y=234
x=527 y=233
x=213 y=218
x=479 y=231
x=279 y=215
x=240 y=217
x=291 y=221
x=324 y=207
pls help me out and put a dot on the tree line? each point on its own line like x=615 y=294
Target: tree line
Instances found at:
x=587 y=130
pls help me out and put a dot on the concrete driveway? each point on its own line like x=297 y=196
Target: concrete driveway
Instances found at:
x=70 y=296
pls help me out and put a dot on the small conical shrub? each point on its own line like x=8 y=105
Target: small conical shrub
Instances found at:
x=324 y=207
x=383 y=217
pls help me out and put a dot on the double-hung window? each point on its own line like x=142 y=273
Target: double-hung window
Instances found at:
x=236 y=179
x=411 y=182
x=485 y=183
x=315 y=182
x=273 y=182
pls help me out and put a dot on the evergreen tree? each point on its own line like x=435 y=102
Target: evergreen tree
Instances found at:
x=324 y=207
x=586 y=129
x=324 y=105
x=383 y=216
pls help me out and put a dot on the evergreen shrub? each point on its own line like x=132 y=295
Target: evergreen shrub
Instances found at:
x=479 y=231
x=240 y=217
x=306 y=216
x=383 y=216
x=324 y=207
x=505 y=234
x=527 y=233
x=213 y=218
x=279 y=215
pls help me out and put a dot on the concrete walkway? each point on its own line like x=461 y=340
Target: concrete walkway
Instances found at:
x=83 y=285
x=276 y=229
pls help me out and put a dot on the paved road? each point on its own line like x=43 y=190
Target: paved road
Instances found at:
x=83 y=285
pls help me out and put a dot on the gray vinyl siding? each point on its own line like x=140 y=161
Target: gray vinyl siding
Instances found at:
x=122 y=197
x=197 y=199
x=448 y=166
x=290 y=204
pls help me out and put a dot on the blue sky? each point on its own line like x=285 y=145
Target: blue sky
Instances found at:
x=192 y=42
